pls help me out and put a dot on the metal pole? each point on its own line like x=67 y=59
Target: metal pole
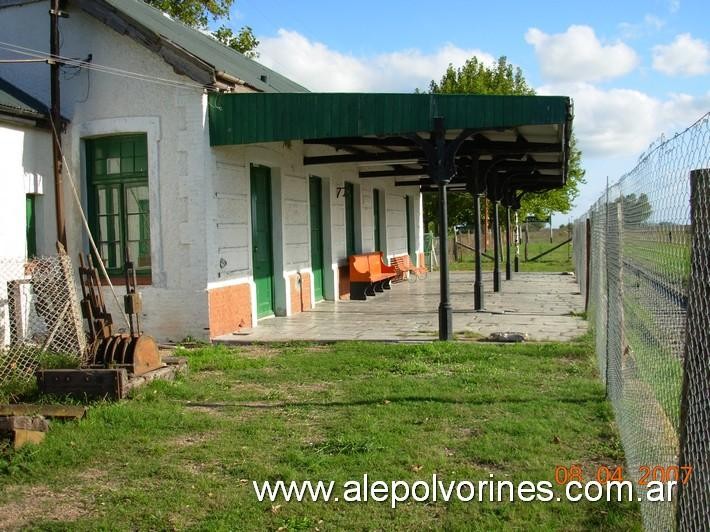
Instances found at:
x=587 y=260
x=517 y=243
x=508 y=265
x=478 y=283
x=445 y=314
x=485 y=224
x=496 y=248
x=55 y=111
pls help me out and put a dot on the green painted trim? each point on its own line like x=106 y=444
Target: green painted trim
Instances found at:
x=258 y=172
x=315 y=196
x=259 y=117
x=31 y=225
x=133 y=148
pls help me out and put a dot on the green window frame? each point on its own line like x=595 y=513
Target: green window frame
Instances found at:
x=119 y=206
x=31 y=225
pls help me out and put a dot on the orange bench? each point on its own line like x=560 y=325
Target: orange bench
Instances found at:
x=404 y=267
x=368 y=275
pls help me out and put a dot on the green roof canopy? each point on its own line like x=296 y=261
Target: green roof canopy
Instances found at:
x=523 y=140
x=254 y=118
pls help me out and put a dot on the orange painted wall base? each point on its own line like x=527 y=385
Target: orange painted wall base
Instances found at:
x=229 y=309
x=344 y=282
x=300 y=295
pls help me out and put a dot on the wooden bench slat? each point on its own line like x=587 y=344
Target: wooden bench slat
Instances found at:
x=369 y=274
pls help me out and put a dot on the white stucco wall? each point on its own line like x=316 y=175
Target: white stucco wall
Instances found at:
x=25 y=168
x=173 y=118
x=229 y=213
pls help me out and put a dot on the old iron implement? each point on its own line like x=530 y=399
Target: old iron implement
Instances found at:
x=133 y=351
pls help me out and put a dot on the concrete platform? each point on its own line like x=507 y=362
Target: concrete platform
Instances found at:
x=539 y=304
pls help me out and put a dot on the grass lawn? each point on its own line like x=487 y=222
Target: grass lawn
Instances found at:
x=559 y=260
x=182 y=455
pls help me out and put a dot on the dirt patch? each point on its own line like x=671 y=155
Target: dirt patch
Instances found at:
x=467 y=433
x=188 y=440
x=253 y=388
x=39 y=503
x=209 y=410
x=315 y=387
x=207 y=374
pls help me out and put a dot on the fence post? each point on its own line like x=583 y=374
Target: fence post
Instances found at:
x=693 y=511
x=615 y=296
x=587 y=260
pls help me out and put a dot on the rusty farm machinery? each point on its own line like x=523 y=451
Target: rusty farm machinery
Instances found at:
x=134 y=351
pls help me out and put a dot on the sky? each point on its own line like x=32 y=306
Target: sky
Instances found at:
x=635 y=69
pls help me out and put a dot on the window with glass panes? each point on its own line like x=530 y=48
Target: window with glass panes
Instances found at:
x=117 y=170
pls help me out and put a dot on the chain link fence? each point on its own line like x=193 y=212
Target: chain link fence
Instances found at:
x=39 y=315
x=642 y=256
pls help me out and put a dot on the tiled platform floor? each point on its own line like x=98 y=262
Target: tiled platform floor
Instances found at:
x=539 y=304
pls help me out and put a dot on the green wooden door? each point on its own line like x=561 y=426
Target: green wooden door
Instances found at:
x=263 y=264
x=349 y=219
x=31 y=226
x=410 y=231
x=376 y=212
x=316 y=196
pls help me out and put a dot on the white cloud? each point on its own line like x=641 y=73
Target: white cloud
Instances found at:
x=684 y=56
x=623 y=122
x=320 y=68
x=578 y=55
x=649 y=24
x=673 y=6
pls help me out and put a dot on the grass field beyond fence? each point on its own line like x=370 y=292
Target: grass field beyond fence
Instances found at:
x=557 y=261
x=183 y=455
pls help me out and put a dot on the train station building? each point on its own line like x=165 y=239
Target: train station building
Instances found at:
x=239 y=194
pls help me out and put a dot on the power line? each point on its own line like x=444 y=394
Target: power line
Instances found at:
x=38 y=54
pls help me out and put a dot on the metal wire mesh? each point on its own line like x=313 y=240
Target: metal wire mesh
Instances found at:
x=39 y=315
x=640 y=305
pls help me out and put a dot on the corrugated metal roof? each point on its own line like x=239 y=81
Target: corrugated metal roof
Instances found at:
x=504 y=137
x=209 y=50
x=18 y=103
x=254 y=118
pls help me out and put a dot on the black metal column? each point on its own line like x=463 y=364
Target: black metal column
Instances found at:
x=517 y=242
x=445 y=314
x=508 y=265
x=478 y=283
x=496 y=248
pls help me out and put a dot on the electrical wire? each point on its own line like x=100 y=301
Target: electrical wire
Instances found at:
x=68 y=61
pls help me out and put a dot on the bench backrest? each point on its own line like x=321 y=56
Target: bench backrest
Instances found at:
x=375 y=263
x=364 y=265
x=402 y=263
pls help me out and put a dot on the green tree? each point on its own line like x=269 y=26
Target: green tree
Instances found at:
x=635 y=210
x=475 y=77
x=243 y=42
x=197 y=14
